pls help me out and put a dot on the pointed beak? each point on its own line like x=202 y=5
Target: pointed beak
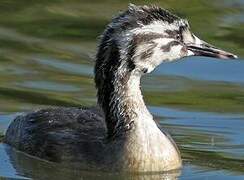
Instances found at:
x=201 y=48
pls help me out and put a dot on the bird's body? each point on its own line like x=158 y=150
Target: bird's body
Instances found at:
x=119 y=135
x=78 y=137
x=55 y=134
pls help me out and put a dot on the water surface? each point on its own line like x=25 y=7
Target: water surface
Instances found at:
x=46 y=59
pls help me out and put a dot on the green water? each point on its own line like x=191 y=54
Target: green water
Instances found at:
x=46 y=59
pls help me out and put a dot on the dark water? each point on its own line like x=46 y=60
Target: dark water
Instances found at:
x=46 y=59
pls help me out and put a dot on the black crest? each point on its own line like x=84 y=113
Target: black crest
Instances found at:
x=148 y=14
x=142 y=15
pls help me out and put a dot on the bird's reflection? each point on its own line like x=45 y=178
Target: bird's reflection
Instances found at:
x=34 y=168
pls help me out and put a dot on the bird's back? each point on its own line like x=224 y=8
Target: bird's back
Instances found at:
x=72 y=135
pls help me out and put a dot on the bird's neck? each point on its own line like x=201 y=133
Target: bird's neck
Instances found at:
x=135 y=140
x=124 y=107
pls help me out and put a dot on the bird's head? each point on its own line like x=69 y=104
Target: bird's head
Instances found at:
x=142 y=37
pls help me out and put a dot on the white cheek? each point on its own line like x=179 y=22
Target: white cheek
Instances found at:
x=159 y=56
x=175 y=53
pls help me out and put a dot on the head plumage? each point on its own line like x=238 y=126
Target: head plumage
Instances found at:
x=142 y=15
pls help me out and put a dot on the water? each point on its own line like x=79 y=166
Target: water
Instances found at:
x=46 y=59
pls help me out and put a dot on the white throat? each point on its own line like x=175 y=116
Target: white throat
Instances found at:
x=146 y=147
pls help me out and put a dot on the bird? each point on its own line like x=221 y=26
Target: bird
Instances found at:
x=119 y=134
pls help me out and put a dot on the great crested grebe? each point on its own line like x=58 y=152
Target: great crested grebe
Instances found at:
x=120 y=134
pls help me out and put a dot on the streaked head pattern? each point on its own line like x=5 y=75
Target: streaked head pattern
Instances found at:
x=146 y=36
x=141 y=38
